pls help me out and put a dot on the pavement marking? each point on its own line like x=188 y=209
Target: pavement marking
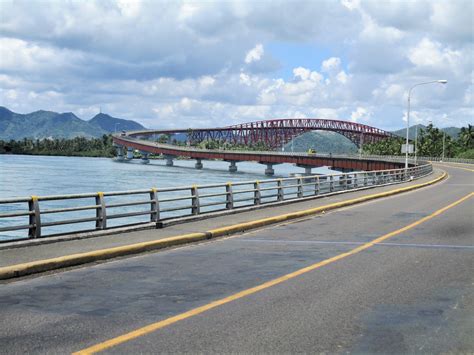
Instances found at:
x=416 y=245
x=455 y=167
x=196 y=311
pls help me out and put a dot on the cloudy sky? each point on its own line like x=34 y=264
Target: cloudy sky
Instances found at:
x=205 y=63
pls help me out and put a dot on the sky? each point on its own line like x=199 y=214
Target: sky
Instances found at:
x=181 y=64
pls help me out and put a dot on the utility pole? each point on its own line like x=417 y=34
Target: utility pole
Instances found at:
x=444 y=138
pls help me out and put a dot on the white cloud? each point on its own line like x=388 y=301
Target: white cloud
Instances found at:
x=331 y=64
x=255 y=54
x=179 y=64
x=360 y=113
x=431 y=54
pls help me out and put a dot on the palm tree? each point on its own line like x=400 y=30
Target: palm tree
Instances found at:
x=466 y=137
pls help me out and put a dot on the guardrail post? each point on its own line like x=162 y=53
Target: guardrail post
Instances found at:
x=280 y=192
x=195 y=209
x=300 y=188
x=331 y=183
x=35 y=219
x=229 y=198
x=101 y=222
x=355 y=181
x=317 y=186
x=365 y=179
x=257 y=198
x=154 y=206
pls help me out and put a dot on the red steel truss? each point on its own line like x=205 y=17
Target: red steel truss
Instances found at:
x=278 y=132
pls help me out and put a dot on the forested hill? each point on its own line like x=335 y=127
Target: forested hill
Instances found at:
x=453 y=132
x=112 y=124
x=47 y=124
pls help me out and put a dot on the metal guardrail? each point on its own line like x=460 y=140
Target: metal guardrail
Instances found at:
x=422 y=158
x=98 y=211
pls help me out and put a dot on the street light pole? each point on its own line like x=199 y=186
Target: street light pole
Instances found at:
x=444 y=138
x=408 y=117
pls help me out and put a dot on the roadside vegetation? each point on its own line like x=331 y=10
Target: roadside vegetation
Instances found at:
x=79 y=146
x=430 y=144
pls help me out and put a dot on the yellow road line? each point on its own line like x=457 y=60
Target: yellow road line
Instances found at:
x=161 y=324
x=455 y=167
x=29 y=268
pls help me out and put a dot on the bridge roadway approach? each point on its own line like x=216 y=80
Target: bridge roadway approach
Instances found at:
x=390 y=275
x=307 y=161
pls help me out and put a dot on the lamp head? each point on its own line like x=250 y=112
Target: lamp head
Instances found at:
x=442 y=81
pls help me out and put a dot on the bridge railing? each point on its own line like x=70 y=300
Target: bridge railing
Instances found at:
x=48 y=216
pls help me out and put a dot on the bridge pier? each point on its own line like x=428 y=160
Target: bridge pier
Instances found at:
x=119 y=149
x=145 y=159
x=129 y=153
x=269 y=171
x=198 y=164
x=233 y=166
x=307 y=169
x=169 y=160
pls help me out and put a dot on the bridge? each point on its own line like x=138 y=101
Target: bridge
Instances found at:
x=277 y=132
x=384 y=271
x=273 y=133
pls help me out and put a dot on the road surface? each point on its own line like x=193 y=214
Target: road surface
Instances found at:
x=336 y=287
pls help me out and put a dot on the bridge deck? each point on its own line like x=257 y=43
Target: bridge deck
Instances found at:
x=411 y=293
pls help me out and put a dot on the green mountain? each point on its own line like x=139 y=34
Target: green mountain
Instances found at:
x=322 y=142
x=450 y=131
x=48 y=124
x=112 y=124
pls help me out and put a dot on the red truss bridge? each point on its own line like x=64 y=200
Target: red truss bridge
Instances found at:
x=276 y=133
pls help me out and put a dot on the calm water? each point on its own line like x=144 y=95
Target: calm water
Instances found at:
x=22 y=176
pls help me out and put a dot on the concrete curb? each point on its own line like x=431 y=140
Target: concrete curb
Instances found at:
x=34 y=267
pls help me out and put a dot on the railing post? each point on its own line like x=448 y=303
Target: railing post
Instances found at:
x=35 y=218
x=365 y=179
x=355 y=182
x=195 y=209
x=317 y=186
x=257 y=198
x=154 y=206
x=280 y=192
x=229 y=198
x=331 y=183
x=300 y=188
x=100 y=213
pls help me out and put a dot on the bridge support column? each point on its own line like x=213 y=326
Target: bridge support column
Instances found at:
x=198 y=164
x=233 y=166
x=145 y=159
x=307 y=169
x=119 y=152
x=129 y=153
x=269 y=171
x=169 y=160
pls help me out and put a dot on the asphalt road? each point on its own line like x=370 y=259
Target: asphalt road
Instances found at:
x=412 y=292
